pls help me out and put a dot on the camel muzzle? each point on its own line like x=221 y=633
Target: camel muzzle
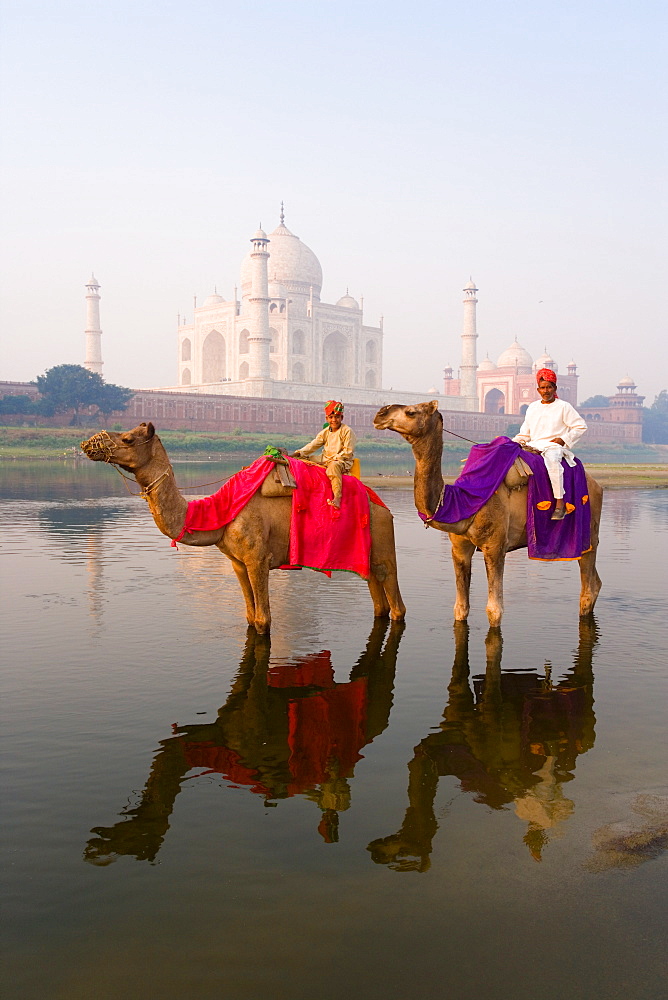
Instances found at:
x=99 y=447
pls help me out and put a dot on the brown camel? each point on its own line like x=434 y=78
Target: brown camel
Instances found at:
x=498 y=527
x=257 y=540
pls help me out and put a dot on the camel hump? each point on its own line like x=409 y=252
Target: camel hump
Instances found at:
x=518 y=474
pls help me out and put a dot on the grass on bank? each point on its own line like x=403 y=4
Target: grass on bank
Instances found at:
x=63 y=442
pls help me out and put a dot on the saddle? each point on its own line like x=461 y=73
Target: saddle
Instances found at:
x=517 y=475
x=279 y=483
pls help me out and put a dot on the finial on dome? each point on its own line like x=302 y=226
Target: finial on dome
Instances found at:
x=282 y=215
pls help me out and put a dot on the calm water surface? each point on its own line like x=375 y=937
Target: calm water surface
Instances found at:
x=348 y=811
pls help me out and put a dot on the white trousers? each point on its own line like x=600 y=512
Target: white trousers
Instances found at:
x=552 y=455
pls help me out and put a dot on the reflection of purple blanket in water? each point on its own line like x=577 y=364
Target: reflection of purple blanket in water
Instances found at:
x=484 y=471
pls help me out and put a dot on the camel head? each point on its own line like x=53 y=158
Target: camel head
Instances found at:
x=413 y=421
x=132 y=450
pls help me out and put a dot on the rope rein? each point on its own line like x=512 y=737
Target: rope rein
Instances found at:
x=460 y=436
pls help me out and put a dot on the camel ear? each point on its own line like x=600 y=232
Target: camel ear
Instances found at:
x=150 y=431
x=432 y=406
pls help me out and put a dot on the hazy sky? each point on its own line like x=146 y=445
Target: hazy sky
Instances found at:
x=522 y=143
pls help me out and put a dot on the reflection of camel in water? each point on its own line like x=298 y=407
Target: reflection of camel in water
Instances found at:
x=283 y=731
x=514 y=739
x=499 y=526
x=257 y=540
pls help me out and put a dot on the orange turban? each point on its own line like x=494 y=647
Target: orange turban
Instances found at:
x=547 y=374
x=332 y=406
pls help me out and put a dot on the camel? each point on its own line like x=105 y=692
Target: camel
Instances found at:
x=257 y=540
x=498 y=527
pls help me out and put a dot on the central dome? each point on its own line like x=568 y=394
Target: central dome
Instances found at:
x=515 y=357
x=291 y=264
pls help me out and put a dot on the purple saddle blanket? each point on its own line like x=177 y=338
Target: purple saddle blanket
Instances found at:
x=484 y=471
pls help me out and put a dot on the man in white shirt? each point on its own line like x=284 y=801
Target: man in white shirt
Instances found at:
x=337 y=441
x=552 y=426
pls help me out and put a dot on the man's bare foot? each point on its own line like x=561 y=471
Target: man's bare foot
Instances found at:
x=334 y=503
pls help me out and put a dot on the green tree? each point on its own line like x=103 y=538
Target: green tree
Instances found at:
x=655 y=420
x=660 y=404
x=69 y=387
x=17 y=404
x=113 y=398
x=597 y=401
x=73 y=387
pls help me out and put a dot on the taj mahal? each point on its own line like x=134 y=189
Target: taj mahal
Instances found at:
x=279 y=341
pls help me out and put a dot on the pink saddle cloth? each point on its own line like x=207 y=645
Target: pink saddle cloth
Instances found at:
x=322 y=537
x=210 y=513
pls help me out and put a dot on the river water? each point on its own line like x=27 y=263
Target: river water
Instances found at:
x=351 y=810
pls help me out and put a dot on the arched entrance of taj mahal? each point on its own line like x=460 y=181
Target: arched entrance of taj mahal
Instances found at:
x=495 y=402
x=336 y=360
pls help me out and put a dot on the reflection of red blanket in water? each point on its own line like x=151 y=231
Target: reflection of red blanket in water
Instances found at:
x=326 y=730
x=326 y=734
x=222 y=760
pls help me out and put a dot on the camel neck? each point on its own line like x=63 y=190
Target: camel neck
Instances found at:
x=428 y=482
x=165 y=502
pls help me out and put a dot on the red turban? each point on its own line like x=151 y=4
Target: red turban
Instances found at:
x=547 y=374
x=332 y=406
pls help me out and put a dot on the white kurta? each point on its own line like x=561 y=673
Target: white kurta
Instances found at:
x=545 y=421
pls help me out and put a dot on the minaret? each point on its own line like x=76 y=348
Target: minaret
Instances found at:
x=259 y=340
x=93 y=360
x=469 y=366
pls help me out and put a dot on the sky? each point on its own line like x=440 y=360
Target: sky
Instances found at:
x=414 y=146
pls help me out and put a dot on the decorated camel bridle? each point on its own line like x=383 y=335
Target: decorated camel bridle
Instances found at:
x=102 y=443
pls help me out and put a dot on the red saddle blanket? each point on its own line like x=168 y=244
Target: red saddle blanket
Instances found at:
x=321 y=537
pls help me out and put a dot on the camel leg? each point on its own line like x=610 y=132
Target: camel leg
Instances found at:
x=590 y=583
x=258 y=575
x=381 y=606
x=393 y=594
x=495 y=562
x=246 y=589
x=462 y=554
x=385 y=591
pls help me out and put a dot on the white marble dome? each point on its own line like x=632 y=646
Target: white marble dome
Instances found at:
x=213 y=300
x=515 y=357
x=486 y=365
x=545 y=361
x=348 y=302
x=291 y=264
x=626 y=381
